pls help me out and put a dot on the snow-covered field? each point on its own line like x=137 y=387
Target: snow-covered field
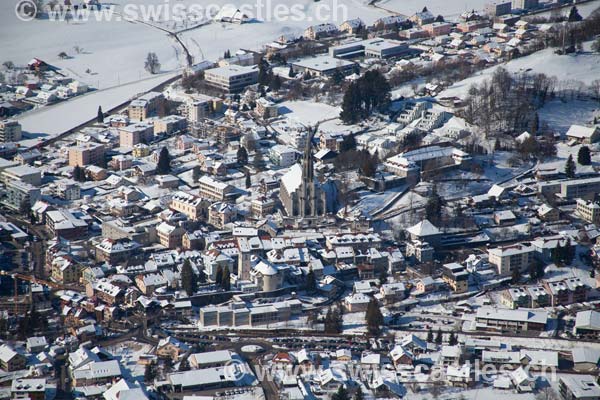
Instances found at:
x=444 y=7
x=584 y=68
x=43 y=123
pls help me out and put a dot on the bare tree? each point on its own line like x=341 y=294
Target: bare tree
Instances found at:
x=152 y=65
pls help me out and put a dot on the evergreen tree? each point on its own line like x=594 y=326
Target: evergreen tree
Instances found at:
x=430 y=336
x=264 y=72
x=439 y=18
x=439 y=337
x=433 y=207
x=226 y=279
x=351 y=105
x=557 y=254
x=188 y=278
x=219 y=275
x=337 y=77
x=452 y=340
x=196 y=173
x=574 y=15
x=348 y=143
x=275 y=83
x=100 y=118
x=374 y=318
x=535 y=125
x=341 y=394
x=359 y=394
x=242 y=156
x=163 y=166
x=568 y=252
x=424 y=9
x=257 y=160
x=516 y=275
x=583 y=156
x=184 y=365
x=333 y=321
x=79 y=174
x=311 y=281
x=291 y=72
x=150 y=373
x=570 y=167
x=248 y=180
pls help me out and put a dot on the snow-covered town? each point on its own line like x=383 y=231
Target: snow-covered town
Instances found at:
x=400 y=203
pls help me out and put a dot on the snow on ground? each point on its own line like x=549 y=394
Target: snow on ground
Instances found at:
x=444 y=7
x=128 y=354
x=584 y=68
x=308 y=113
x=584 y=10
x=43 y=123
x=560 y=115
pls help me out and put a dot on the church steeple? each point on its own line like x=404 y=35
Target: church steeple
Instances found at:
x=308 y=189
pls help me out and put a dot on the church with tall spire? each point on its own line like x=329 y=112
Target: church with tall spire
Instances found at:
x=301 y=194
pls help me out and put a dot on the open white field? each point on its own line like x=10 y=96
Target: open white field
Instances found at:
x=47 y=122
x=584 y=68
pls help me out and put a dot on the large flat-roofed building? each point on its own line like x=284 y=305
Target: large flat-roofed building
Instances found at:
x=498 y=8
x=10 y=131
x=231 y=78
x=323 y=65
x=22 y=173
x=521 y=320
x=374 y=48
x=87 y=154
x=579 y=387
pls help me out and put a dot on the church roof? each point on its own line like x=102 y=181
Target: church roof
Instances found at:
x=292 y=179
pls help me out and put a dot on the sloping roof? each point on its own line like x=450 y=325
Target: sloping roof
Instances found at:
x=423 y=228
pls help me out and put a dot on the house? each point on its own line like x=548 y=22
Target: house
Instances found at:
x=585 y=359
x=587 y=323
x=211 y=359
x=522 y=380
x=352 y=26
x=401 y=356
x=169 y=235
x=456 y=276
x=461 y=376
x=589 y=211
x=36 y=344
x=584 y=134
x=220 y=214
x=505 y=217
x=319 y=31
x=451 y=355
x=65 y=270
x=548 y=213
x=172 y=348
x=10 y=359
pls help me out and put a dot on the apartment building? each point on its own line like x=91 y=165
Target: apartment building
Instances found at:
x=10 y=131
x=66 y=225
x=456 y=276
x=589 y=211
x=516 y=298
x=169 y=125
x=579 y=387
x=437 y=28
x=507 y=259
x=221 y=214
x=214 y=190
x=170 y=236
x=200 y=106
x=189 y=205
x=282 y=155
x=145 y=106
x=231 y=78
x=87 y=154
x=139 y=133
x=566 y=291
x=19 y=193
